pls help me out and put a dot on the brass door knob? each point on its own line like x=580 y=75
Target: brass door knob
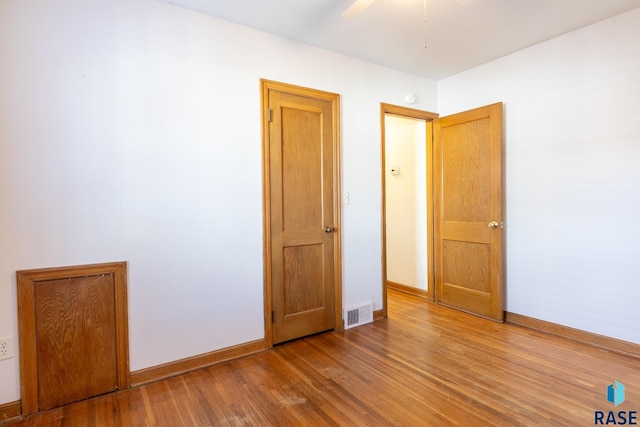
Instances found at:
x=329 y=229
x=494 y=224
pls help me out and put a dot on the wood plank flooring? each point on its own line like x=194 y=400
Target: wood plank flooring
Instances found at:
x=425 y=365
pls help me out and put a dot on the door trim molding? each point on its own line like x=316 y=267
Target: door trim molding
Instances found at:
x=428 y=117
x=26 y=281
x=334 y=99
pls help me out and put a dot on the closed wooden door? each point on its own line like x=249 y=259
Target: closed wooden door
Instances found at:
x=468 y=211
x=302 y=202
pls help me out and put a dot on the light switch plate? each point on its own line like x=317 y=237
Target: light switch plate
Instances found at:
x=345 y=198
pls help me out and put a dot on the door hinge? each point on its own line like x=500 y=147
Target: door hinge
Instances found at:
x=269 y=115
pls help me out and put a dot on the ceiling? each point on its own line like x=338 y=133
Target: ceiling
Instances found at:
x=460 y=34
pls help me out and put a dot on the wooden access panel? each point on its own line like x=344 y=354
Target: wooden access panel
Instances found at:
x=73 y=334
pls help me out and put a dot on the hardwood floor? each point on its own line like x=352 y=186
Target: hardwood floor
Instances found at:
x=425 y=365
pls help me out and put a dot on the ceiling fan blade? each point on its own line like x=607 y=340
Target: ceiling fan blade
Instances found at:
x=357 y=8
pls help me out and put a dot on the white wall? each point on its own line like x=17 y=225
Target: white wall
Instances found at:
x=130 y=130
x=572 y=120
x=406 y=201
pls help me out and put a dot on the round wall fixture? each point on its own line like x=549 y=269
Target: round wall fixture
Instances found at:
x=410 y=98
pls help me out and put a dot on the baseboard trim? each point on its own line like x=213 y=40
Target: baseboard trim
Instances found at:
x=10 y=410
x=378 y=315
x=607 y=343
x=179 y=367
x=422 y=293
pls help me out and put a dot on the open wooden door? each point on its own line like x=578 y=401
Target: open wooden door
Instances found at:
x=468 y=211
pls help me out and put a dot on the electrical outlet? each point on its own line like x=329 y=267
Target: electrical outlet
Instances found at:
x=6 y=348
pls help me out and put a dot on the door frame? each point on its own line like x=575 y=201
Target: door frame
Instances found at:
x=334 y=99
x=428 y=117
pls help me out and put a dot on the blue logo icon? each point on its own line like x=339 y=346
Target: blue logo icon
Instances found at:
x=615 y=393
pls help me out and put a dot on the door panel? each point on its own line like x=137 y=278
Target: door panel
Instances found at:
x=302 y=265
x=76 y=339
x=302 y=157
x=465 y=167
x=467 y=198
x=302 y=204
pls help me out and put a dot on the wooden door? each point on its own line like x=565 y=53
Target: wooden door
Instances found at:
x=468 y=211
x=302 y=201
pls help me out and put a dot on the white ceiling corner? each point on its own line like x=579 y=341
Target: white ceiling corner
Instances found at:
x=460 y=34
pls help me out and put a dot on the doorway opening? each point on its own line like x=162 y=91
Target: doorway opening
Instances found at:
x=407 y=201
